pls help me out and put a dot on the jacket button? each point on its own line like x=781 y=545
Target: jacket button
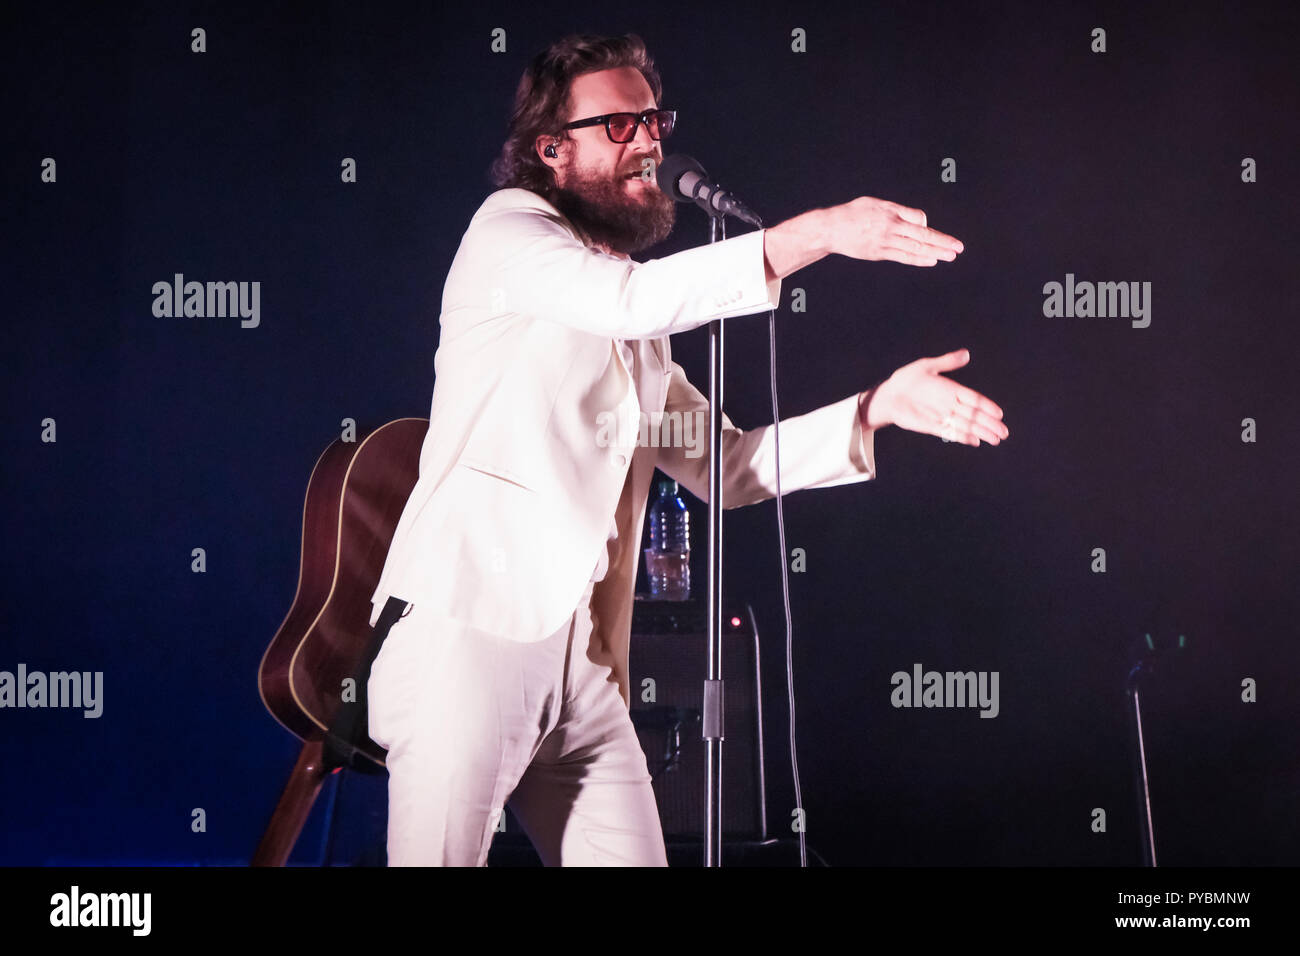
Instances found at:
x=619 y=461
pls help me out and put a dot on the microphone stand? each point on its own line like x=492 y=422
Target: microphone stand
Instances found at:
x=717 y=205
x=712 y=730
x=1143 y=787
x=1140 y=676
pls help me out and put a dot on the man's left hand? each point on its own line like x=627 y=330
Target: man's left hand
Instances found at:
x=918 y=398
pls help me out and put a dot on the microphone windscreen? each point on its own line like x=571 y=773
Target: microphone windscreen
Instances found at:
x=669 y=173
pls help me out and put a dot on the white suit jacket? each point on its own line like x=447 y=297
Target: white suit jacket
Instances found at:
x=517 y=487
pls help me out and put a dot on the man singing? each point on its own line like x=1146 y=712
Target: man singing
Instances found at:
x=506 y=678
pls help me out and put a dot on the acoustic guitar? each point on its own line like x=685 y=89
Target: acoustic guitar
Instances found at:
x=355 y=497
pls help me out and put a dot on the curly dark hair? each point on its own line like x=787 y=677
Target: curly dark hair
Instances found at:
x=542 y=101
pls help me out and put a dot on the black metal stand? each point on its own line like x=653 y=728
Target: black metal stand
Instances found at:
x=1140 y=765
x=1149 y=652
x=713 y=704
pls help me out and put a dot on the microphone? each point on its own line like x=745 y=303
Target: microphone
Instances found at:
x=683 y=178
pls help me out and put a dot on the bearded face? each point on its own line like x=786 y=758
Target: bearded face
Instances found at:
x=619 y=210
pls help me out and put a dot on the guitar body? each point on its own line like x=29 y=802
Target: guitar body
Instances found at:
x=354 y=500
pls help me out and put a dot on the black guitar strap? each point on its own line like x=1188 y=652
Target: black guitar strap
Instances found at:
x=350 y=727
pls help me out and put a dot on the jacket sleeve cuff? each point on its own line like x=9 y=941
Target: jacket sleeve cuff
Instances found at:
x=756 y=293
x=862 y=448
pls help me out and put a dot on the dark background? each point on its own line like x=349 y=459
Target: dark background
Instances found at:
x=1122 y=166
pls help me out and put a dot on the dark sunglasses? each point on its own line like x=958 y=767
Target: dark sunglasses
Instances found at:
x=621 y=127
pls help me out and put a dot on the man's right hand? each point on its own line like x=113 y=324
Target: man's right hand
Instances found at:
x=876 y=229
x=865 y=228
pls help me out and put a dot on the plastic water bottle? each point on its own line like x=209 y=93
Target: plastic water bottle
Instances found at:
x=668 y=559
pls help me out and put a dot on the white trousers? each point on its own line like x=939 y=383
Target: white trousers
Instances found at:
x=472 y=721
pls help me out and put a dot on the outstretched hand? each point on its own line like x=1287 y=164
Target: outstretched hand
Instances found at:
x=920 y=399
x=877 y=229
